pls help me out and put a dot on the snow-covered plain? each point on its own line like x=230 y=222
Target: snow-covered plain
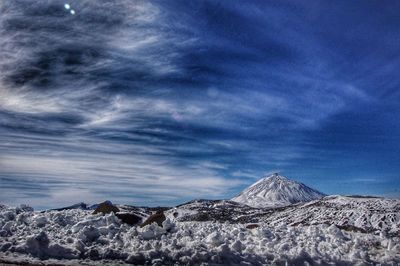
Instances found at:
x=333 y=230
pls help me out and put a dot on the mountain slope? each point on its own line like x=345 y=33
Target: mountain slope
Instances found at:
x=276 y=191
x=350 y=213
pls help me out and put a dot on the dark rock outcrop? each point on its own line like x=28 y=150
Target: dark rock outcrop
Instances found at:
x=252 y=226
x=106 y=208
x=129 y=218
x=158 y=218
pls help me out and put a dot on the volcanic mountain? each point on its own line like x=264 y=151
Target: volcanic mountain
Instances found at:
x=276 y=191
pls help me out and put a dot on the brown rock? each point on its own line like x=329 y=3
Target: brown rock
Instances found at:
x=105 y=208
x=252 y=226
x=158 y=218
x=129 y=218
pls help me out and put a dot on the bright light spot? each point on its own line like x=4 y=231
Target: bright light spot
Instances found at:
x=212 y=92
x=72 y=12
x=67 y=6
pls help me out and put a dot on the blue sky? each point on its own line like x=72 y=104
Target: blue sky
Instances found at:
x=156 y=103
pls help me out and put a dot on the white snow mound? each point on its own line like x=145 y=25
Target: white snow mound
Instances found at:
x=303 y=234
x=276 y=191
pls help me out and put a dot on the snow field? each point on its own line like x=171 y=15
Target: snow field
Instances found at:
x=72 y=235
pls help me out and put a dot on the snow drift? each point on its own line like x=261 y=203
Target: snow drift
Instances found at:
x=333 y=230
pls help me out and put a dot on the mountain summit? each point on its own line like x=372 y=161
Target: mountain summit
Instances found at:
x=276 y=191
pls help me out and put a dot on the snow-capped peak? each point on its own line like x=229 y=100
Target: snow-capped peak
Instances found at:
x=276 y=191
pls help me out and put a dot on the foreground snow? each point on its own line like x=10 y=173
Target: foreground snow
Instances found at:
x=78 y=237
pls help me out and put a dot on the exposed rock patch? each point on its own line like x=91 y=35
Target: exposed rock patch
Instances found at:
x=106 y=208
x=158 y=218
x=129 y=218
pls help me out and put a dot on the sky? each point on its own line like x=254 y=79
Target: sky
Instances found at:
x=160 y=102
